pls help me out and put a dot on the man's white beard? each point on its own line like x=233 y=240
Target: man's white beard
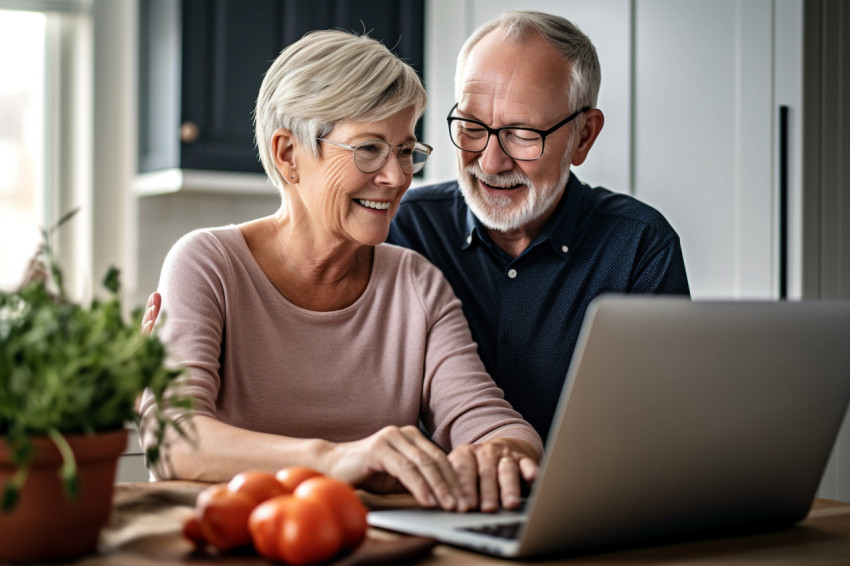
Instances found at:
x=496 y=212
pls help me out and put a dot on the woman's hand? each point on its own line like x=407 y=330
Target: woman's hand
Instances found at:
x=148 y=322
x=151 y=312
x=397 y=457
x=491 y=471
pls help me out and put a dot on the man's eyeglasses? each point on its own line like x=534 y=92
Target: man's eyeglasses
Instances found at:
x=372 y=155
x=522 y=144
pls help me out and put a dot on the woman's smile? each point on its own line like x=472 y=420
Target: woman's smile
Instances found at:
x=374 y=204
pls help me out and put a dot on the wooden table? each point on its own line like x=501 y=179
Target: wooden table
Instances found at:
x=144 y=530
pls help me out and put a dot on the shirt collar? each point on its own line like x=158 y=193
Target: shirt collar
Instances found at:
x=561 y=228
x=559 y=231
x=474 y=230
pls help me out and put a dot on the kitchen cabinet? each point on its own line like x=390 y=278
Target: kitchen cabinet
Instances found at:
x=201 y=63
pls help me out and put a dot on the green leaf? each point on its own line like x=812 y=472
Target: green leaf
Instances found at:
x=64 y=218
x=11 y=494
x=12 y=490
x=111 y=280
x=68 y=471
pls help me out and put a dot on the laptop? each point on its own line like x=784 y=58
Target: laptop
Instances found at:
x=677 y=418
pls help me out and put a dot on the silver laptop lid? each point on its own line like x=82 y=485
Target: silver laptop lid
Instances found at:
x=681 y=416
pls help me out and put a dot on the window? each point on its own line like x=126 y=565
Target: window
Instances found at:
x=44 y=134
x=22 y=140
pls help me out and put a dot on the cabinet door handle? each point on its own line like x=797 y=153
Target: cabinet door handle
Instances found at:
x=189 y=132
x=783 y=202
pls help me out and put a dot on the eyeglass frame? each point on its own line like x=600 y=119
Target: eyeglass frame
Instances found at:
x=416 y=145
x=497 y=131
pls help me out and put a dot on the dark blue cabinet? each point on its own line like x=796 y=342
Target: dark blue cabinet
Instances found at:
x=201 y=63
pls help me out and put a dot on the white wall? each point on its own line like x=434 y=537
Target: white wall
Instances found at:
x=163 y=219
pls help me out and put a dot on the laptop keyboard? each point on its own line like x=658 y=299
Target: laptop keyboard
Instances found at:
x=500 y=530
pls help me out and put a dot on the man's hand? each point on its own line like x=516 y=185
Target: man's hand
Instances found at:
x=151 y=312
x=492 y=471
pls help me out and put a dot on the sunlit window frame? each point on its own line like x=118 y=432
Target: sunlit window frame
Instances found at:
x=67 y=131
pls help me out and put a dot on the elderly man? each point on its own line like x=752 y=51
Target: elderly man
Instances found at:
x=523 y=242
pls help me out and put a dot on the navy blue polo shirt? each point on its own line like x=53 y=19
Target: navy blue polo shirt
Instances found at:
x=525 y=312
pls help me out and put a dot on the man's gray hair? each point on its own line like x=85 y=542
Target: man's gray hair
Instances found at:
x=328 y=77
x=564 y=36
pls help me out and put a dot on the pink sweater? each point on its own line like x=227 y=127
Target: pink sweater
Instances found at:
x=401 y=352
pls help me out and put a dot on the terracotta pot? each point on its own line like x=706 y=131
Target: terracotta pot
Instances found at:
x=45 y=525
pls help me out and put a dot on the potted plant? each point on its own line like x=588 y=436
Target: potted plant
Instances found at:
x=70 y=376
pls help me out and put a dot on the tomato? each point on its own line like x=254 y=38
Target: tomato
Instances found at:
x=258 y=485
x=296 y=531
x=291 y=477
x=210 y=492
x=192 y=532
x=223 y=515
x=343 y=502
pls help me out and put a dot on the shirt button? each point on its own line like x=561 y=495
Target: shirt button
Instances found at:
x=512 y=273
x=469 y=239
x=565 y=249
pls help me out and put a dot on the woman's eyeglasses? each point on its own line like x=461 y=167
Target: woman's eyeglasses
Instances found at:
x=372 y=155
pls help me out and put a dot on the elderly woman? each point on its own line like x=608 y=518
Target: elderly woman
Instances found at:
x=307 y=340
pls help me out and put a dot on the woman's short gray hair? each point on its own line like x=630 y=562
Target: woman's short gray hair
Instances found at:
x=328 y=77
x=564 y=36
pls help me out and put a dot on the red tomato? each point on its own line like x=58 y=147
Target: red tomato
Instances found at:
x=296 y=531
x=343 y=502
x=192 y=532
x=291 y=477
x=223 y=515
x=206 y=495
x=257 y=485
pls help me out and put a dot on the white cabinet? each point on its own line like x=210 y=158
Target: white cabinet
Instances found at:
x=705 y=137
